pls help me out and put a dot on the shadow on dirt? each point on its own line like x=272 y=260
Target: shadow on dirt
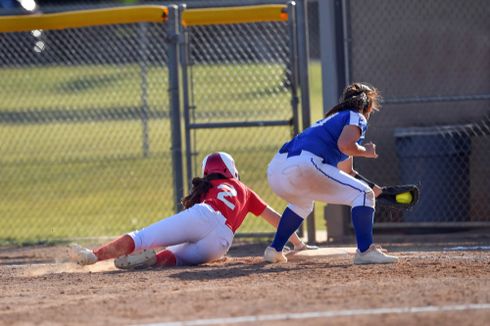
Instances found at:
x=226 y=272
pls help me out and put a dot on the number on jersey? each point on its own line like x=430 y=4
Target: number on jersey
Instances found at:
x=228 y=191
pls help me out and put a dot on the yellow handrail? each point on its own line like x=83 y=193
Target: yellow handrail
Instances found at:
x=84 y=18
x=234 y=15
x=135 y=14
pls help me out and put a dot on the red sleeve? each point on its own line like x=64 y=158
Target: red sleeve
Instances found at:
x=256 y=205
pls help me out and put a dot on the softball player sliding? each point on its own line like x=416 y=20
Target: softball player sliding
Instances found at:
x=318 y=165
x=203 y=232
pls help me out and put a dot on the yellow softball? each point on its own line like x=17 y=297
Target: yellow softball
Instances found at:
x=404 y=198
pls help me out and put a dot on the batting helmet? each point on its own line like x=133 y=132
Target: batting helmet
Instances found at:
x=221 y=163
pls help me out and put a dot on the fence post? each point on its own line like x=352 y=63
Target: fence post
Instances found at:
x=173 y=82
x=333 y=82
x=292 y=77
x=184 y=63
x=143 y=63
x=333 y=65
x=303 y=56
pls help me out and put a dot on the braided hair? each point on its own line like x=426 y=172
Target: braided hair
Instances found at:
x=200 y=186
x=361 y=97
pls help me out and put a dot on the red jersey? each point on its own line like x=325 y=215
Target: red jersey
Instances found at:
x=234 y=200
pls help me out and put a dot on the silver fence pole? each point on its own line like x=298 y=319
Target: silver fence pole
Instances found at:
x=292 y=79
x=303 y=56
x=346 y=36
x=333 y=78
x=143 y=63
x=184 y=63
x=173 y=84
x=333 y=82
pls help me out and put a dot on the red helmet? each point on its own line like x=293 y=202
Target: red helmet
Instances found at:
x=221 y=163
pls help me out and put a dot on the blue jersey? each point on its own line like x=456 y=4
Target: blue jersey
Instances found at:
x=321 y=137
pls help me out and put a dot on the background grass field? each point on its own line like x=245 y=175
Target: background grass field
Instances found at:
x=89 y=178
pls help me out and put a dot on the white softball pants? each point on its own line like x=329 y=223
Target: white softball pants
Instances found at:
x=196 y=235
x=303 y=179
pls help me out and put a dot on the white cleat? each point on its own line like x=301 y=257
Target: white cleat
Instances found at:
x=271 y=255
x=82 y=256
x=140 y=260
x=374 y=255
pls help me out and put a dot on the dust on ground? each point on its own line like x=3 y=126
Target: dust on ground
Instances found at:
x=39 y=286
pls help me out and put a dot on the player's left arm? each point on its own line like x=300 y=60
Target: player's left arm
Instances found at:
x=347 y=166
x=397 y=197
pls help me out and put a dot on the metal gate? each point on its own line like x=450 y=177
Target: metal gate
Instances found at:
x=240 y=95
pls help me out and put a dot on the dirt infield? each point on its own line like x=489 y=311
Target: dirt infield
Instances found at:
x=433 y=284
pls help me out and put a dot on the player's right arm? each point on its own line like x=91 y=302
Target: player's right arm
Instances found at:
x=347 y=143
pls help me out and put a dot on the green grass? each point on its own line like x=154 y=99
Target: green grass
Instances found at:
x=78 y=87
x=90 y=179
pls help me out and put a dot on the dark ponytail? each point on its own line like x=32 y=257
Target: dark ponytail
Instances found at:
x=200 y=187
x=360 y=97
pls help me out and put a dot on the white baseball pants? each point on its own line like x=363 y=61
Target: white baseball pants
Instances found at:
x=303 y=179
x=196 y=235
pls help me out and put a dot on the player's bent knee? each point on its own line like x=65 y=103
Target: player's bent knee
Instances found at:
x=365 y=198
x=302 y=211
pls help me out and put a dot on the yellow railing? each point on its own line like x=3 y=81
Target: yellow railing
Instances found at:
x=84 y=18
x=236 y=15
x=136 y=14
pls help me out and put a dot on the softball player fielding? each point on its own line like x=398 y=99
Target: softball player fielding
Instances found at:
x=203 y=232
x=317 y=164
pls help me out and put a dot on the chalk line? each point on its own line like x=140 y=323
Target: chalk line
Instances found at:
x=323 y=314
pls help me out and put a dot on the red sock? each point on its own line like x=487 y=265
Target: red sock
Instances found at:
x=166 y=258
x=121 y=246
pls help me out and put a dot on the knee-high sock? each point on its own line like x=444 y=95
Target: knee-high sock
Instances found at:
x=166 y=258
x=123 y=245
x=290 y=222
x=363 y=219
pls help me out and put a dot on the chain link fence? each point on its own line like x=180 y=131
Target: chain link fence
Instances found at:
x=85 y=129
x=430 y=59
x=85 y=147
